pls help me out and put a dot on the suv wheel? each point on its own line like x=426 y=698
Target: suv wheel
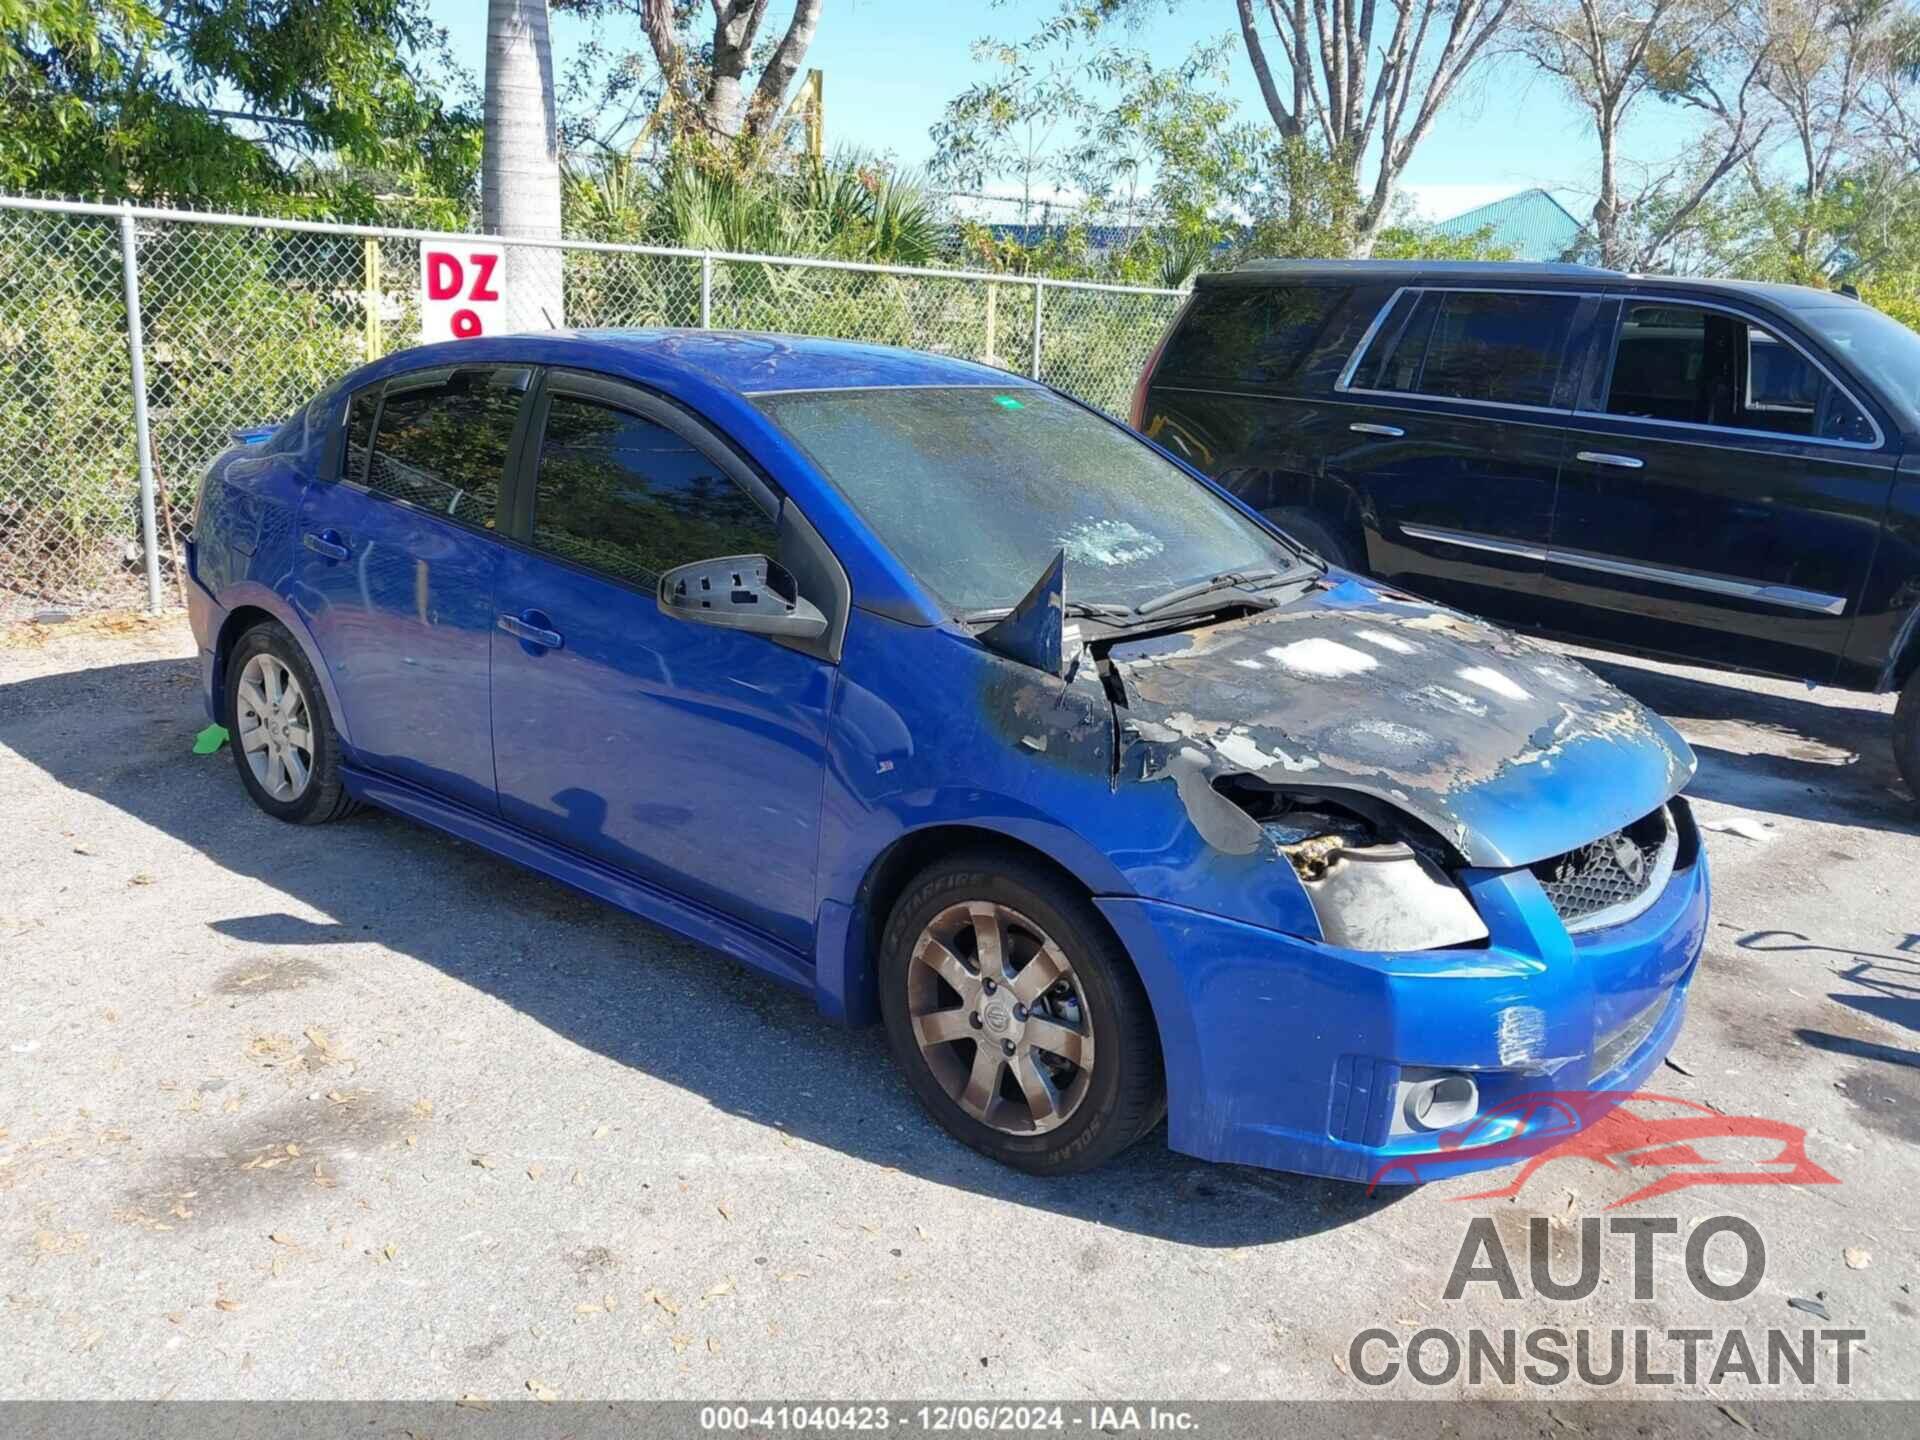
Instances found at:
x=282 y=733
x=1319 y=536
x=1906 y=734
x=1018 y=1020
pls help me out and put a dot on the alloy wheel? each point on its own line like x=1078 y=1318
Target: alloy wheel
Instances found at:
x=275 y=728
x=1000 y=1018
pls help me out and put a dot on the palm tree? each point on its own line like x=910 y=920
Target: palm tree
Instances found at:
x=520 y=166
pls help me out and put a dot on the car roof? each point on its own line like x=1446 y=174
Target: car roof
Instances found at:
x=1521 y=273
x=739 y=361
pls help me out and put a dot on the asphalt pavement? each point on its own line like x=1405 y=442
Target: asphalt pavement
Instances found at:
x=359 y=1111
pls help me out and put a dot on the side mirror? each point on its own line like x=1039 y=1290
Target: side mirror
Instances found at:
x=741 y=592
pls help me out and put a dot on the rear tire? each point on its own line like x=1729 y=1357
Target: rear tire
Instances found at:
x=1906 y=734
x=1319 y=535
x=1053 y=1082
x=280 y=730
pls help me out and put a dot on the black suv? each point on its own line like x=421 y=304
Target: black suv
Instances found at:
x=1707 y=471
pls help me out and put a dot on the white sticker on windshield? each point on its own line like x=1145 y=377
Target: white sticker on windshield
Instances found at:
x=1109 y=542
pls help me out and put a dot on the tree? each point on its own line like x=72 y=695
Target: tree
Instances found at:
x=1710 y=57
x=1014 y=124
x=229 y=102
x=1359 y=83
x=520 y=167
x=1136 y=142
x=696 y=89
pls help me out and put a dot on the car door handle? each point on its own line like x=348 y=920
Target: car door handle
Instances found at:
x=524 y=627
x=1367 y=427
x=1619 y=462
x=326 y=543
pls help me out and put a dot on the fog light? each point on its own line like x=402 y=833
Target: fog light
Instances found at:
x=1439 y=1102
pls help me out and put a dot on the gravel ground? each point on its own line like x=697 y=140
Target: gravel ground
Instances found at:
x=360 y=1112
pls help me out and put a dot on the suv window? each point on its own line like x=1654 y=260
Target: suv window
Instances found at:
x=1255 y=336
x=1696 y=366
x=444 y=437
x=1503 y=347
x=631 y=499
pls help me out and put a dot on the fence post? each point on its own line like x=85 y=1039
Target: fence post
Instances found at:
x=993 y=320
x=376 y=342
x=142 y=440
x=1039 y=290
x=706 y=290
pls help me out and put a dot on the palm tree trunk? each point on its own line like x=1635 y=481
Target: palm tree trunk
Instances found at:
x=520 y=165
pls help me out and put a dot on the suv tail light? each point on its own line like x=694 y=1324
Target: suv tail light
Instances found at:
x=1137 y=416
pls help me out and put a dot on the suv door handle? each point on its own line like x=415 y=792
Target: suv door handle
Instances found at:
x=1367 y=427
x=1619 y=462
x=326 y=543
x=531 y=626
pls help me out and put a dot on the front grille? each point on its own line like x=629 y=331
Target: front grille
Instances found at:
x=1613 y=871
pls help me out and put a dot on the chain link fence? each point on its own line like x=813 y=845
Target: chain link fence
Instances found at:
x=243 y=319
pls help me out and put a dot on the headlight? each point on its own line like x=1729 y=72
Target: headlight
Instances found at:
x=1370 y=894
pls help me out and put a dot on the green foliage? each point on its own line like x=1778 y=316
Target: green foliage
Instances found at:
x=63 y=401
x=847 y=207
x=1423 y=242
x=155 y=100
x=241 y=327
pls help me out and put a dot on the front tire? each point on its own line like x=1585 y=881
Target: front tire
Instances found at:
x=1906 y=734
x=282 y=734
x=1018 y=1020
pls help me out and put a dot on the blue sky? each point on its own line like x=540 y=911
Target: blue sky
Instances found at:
x=891 y=65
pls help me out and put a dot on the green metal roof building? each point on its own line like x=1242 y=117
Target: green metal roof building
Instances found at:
x=1532 y=224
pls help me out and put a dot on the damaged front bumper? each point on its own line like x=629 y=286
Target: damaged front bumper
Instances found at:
x=1291 y=1054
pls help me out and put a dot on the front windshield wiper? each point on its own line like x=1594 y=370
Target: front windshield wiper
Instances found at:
x=1079 y=609
x=1237 y=579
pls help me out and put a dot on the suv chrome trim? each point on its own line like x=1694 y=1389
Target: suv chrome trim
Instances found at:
x=1602 y=457
x=1360 y=350
x=1468 y=541
x=1787 y=596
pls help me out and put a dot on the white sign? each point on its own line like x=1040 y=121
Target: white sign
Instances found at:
x=460 y=288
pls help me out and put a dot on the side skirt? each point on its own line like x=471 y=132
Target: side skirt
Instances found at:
x=636 y=897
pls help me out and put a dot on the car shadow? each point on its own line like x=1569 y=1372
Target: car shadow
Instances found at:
x=1831 y=763
x=594 y=975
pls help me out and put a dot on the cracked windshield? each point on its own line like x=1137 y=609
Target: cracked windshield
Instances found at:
x=976 y=489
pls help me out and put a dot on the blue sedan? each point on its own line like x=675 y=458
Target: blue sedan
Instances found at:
x=958 y=706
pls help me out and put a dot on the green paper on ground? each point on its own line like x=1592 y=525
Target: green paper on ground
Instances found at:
x=209 y=739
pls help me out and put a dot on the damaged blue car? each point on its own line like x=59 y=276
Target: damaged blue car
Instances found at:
x=955 y=704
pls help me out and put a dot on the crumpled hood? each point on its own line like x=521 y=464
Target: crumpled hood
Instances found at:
x=1511 y=751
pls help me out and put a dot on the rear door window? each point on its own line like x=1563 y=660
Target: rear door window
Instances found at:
x=1504 y=348
x=1498 y=347
x=444 y=438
